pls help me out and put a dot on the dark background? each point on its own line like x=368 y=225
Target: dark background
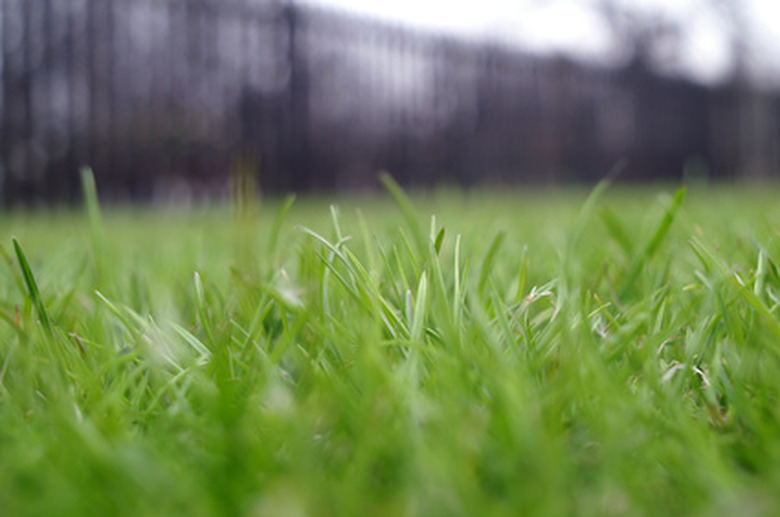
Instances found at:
x=180 y=99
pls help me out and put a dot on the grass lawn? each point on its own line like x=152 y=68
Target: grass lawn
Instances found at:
x=544 y=352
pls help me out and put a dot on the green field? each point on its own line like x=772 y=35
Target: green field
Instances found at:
x=537 y=352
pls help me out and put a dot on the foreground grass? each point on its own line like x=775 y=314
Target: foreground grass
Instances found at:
x=538 y=353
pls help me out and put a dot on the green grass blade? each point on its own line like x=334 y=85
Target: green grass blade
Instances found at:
x=365 y=235
x=568 y=264
x=666 y=223
x=13 y=323
x=336 y=223
x=276 y=228
x=408 y=212
x=488 y=261
x=522 y=276
x=457 y=301
x=743 y=289
x=585 y=214
x=202 y=307
x=439 y=240
x=89 y=190
x=202 y=350
x=617 y=230
x=761 y=274
x=17 y=276
x=420 y=308
x=654 y=243
x=333 y=248
x=32 y=287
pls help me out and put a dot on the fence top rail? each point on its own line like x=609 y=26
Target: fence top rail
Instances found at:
x=259 y=10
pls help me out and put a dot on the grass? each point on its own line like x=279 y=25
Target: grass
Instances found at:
x=544 y=352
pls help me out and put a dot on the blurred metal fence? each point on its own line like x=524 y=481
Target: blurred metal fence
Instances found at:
x=162 y=97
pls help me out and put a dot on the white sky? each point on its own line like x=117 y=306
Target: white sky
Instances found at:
x=573 y=26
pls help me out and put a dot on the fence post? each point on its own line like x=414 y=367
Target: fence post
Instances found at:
x=299 y=160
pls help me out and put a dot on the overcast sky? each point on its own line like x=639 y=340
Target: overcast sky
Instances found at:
x=575 y=27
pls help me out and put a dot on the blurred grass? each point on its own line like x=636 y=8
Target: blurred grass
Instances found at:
x=518 y=353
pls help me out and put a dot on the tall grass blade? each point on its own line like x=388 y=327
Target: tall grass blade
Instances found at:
x=276 y=228
x=32 y=287
x=666 y=223
x=365 y=235
x=654 y=243
x=746 y=293
x=336 y=223
x=617 y=230
x=761 y=274
x=13 y=323
x=584 y=216
x=17 y=276
x=202 y=308
x=407 y=210
x=522 y=276
x=420 y=306
x=89 y=190
x=568 y=264
x=456 y=298
x=439 y=240
x=487 y=263
x=203 y=352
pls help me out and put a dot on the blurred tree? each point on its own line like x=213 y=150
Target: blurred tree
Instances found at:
x=651 y=37
x=647 y=36
x=756 y=129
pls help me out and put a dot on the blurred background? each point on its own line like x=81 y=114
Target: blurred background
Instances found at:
x=186 y=99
